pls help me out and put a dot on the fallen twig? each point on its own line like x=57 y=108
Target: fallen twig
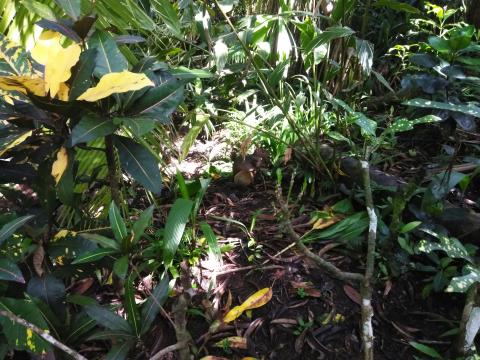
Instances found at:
x=43 y=334
x=169 y=349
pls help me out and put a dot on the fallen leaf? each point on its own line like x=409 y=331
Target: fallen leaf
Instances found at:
x=260 y=298
x=60 y=165
x=118 y=82
x=82 y=285
x=37 y=260
x=353 y=294
x=323 y=223
x=307 y=287
x=234 y=342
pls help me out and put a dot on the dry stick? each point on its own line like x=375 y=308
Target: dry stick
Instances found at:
x=366 y=288
x=331 y=269
x=43 y=334
x=169 y=349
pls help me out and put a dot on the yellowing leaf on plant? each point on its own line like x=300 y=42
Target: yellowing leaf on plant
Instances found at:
x=46 y=46
x=234 y=342
x=23 y=84
x=63 y=233
x=323 y=223
x=260 y=298
x=58 y=67
x=117 y=82
x=63 y=92
x=60 y=165
x=21 y=138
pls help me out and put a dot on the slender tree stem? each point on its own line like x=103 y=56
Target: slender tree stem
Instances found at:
x=43 y=334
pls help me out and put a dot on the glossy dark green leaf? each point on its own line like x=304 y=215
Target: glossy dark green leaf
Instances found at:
x=93 y=256
x=50 y=290
x=142 y=223
x=175 y=226
x=107 y=318
x=131 y=308
x=111 y=335
x=16 y=173
x=169 y=16
x=82 y=325
x=427 y=350
x=120 y=351
x=82 y=73
x=331 y=33
x=439 y=44
x=151 y=307
x=40 y=9
x=8 y=229
x=139 y=163
x=116 y=223
x=469 y=108
x=71 y=7
x=9 y=271
x=214 y=252
x=160 y=101
x=424 y=60
x=138 y=125
x=120 y=267
x=101 y=240
x=109 y=58
x=90 y=128
x=59 y=27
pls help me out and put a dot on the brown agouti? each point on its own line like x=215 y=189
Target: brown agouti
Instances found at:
x=245 y=168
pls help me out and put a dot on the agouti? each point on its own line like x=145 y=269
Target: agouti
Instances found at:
x=245 y=168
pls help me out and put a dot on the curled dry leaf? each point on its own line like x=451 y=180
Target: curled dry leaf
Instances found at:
x=308 y=288
x=323 y=223
x=260 y=298
x=37 y=261
x=234 y=342
x=353 y=294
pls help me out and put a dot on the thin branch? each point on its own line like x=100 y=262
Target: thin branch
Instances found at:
x=43 y=334
x=169 y=349
x=331 y=269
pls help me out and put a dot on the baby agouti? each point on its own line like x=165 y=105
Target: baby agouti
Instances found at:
x=245 y=168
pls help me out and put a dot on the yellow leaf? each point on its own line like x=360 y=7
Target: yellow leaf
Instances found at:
x=46 y=46
x=23 y=84
x=211 y=357
x=15 y=142
x=260 y=298
x=323 y=223
x=113 y=83
x=235 y=342
x=63 y=92
x=58 y=67
x=63 y=233
x=60 y=165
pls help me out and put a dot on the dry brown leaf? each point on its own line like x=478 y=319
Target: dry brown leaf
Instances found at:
x=307 y=287
x=388 y=287
x=37 y=261
x=353 y=294
x=234 y=342
x=81 y=286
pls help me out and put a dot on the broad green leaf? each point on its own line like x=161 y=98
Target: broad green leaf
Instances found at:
x=120 y=267
x=367 y=126
x=50 y=290
x=169 y=16
x=42 y=10
x=101 y=240
x=449 y=245
x=331 y=33
x=214 y=252
x=9 y=271
x=9 y=228
x=120 y=351
x=160 y=101
x=439 y=44
x=90 y=128
x=403 y=124
x=397 y=5
x=93 y=256
x=82 y=73
x=142 y=223
x=109 y=58
x=71 y=7
x=116 y=223
x=139 y=163
x=174 y=228
x=155 y=301
x=462 y=283
x=427 y=350
x=138 y=125
x=107 y=318
x=111 y=335
x=14 y=57
x=410 y=226
x=182 y=72
x=114 y=83
x=59 y=27
x=131 y=308
x=18 y=336
x=469 y=109
x=342 y=9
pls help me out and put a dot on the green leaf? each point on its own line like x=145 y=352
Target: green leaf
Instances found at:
x=427 y=350
x=108 y=318
x=142 y=223
x=160 y=101
x=453 y=247
x=120 y=267
x=174 y=228
x=139 y=163
x=101 y=240
x=82 y=73
x=192 y=135
x=18 y=336
x=111 y=335
x=367 y=126
x=9 y=228
x=133 y=315
x=93 y=256
x=331 y=33
x=462 y=283
x=109 y=58
x=138 y=125
x=469 y=109
x=90 y=128
x=42 y=10
x=409 y=227
x=182 y=72
x=9 y=271
x=120 y=351
x=169 y=16
x=403 y=124
x=49 y=289
x=214 y=252
x=15 y=58
x=116 y=223
x=71 y=7
x=151 y=307
x=439 y=44
x=397 y=5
